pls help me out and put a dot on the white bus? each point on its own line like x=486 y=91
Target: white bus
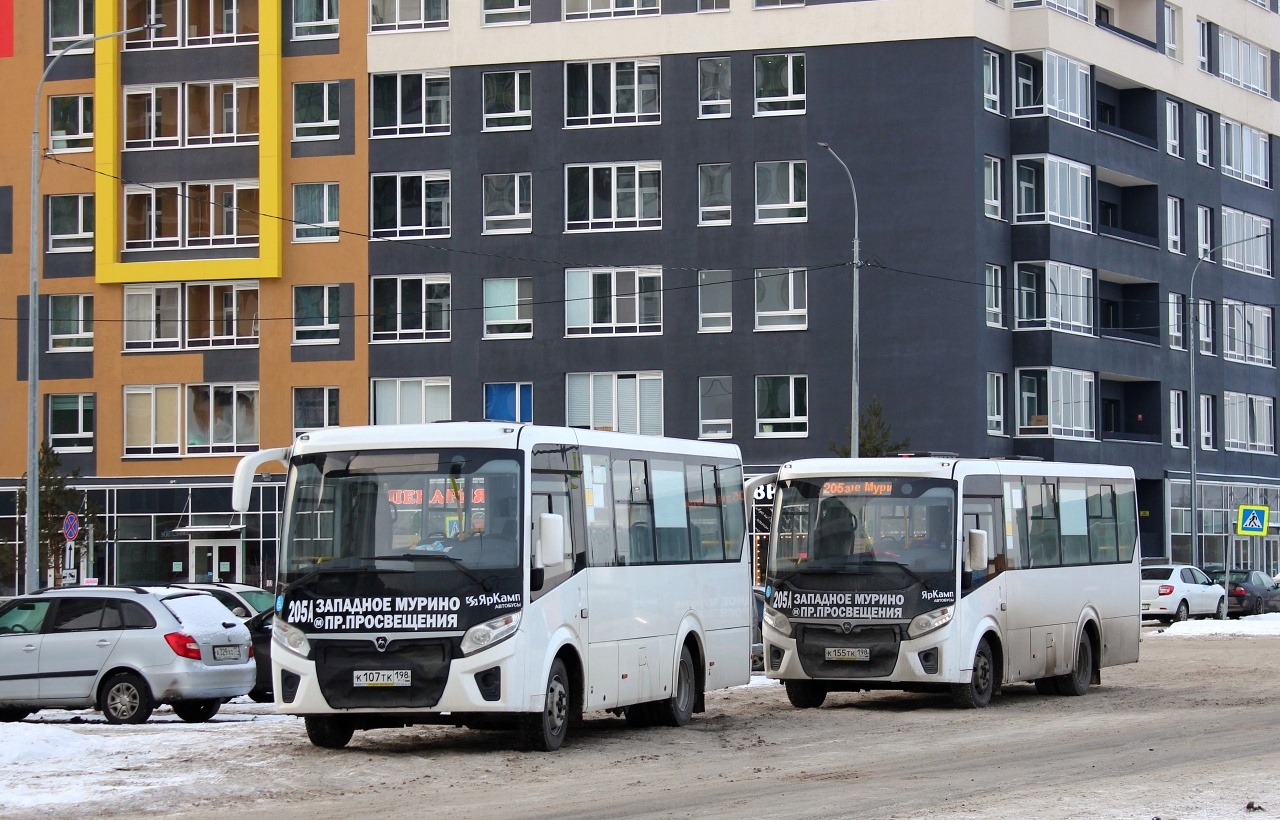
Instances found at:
x=940 y=573
x=488 y=574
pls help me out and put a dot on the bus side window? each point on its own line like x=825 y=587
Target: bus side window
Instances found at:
x=551 y=495
x=1015 y=524
x=733 y=509
x=599 y=510
x=1103 y=535
x=632 y=513
x=1126 y=520
x=1042 y=520
x=670 y=518
x=704 y=512
x=984 y=514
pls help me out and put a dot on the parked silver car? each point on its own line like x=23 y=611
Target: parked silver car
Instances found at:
x=122 y=649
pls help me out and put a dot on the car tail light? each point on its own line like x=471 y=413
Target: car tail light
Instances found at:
x=250 y=650
x=184 y=646
x=1165 y=589
x=1238 y=592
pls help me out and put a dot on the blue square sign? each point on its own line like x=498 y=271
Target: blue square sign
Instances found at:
x=1251 y=520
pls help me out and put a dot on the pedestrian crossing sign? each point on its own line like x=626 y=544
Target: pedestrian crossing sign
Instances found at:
x=1251 y=520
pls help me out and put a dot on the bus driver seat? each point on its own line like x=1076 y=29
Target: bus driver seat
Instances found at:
x=834 y=533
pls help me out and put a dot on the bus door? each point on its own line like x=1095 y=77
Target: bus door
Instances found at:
x=983 y=586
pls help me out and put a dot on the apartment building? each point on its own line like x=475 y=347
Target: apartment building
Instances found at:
x=264 y=218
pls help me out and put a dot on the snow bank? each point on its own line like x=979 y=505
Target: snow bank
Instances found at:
x=22 y=743
x=1249 y=626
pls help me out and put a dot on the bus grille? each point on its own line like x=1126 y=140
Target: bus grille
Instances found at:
x=427 y=661
x=814 y=639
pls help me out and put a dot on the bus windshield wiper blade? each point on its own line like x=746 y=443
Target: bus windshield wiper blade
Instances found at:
x=908 y=570
x=483 y=583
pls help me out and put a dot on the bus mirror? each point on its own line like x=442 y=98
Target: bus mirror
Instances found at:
x=976 y=550
x=551 y=539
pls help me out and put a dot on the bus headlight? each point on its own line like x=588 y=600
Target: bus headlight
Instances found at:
x=485 y=635
x=777 y=621
x=290 y=637
x=926 y=623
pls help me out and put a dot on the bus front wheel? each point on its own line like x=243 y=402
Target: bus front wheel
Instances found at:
x=806 y=694
x=977 y=693
x=329 y=731
x=544 y=731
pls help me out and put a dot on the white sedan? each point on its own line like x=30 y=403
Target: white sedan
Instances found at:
x=1176 y=592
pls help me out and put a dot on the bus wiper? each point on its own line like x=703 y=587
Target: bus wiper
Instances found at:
x=841 y=564
x=905 y=569
x=484 y=583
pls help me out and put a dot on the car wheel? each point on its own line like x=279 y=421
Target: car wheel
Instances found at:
x=806 y=694
x=259 y=696
x=544 y=731
x=977 y=693
x=197 y=711
x=1076 y=682
x=13 y=715
x=1257 y=606
x=1183 y=612
x=125 y=698
x=329 y=731
x=1221 y=614
x=676 y=710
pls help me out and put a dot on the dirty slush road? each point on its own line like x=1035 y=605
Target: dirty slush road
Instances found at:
x=1192 y=731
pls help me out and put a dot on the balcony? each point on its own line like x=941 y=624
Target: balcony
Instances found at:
x=1129 y=408
x=1126 y=110
x=1128 y=208
x=1128 y=308
x=1134 y=20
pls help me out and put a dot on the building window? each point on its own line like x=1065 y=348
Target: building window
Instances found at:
x=508 y=401
x=1208 y=426
x=508 y=308
x=626 y=402
x=1178 y=418
x=1056 y=402
x=192 y=214
x=607 y=301
x=1246 y=153
x=618 y=92
x=314 y=19
x=715 y=407
x=410 y=308
x=222 y=418
x=71 y=123
x=71 y=222
x=780 y=85
x=1204 y=144
x=767 y=4
x=1173 y=128
x=992 y=193
x=152 y=317
x=613 y=197
x=222 y=314
x=1055 y=295
x=1173 y=223
x=69 y=22
x=151 y=417
x=782 y=299
x=715 y=301
x=1248 y=422
x=152 y=116
x=1204 y=324
x=782 y=191
x=1246 y=242
x=505 y=12
x=592 y=9
x=1072 y=8
x=1246 y=333
x=508 y=100
x=71 y=322
x=1172 y=30
x=411 y=401
x=1204 y=36
x=1054 y=190
x=713 y=5
x=220 y=23
x=314 y=408
x=315 y=212
x=410 y=104
x=221 y=113
x=715 y=194
x=995 y=404
x=316 y=314
x=714 y=87
x=71 y=423
x=1046 y=83
x=315 y=111
x=401 y=15
x=508 y=203
x=1204 y=233
x=994 y=275
x=1243 y=63
x=1177 y=321
x=782 y=406
x=991 y=81
x=141 y=13
x=410 y=205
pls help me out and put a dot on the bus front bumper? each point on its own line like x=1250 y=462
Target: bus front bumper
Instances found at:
x=906 y=661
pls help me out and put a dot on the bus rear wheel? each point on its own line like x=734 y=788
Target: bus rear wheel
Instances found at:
x=329 y=731
x=544 y=731
x=977 y=693
x=806 y=694
x=676 y=710
x=1076 y=682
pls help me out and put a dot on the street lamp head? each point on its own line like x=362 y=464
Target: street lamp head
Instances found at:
x=823 y=145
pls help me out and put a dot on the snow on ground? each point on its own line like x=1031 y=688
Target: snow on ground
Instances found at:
x=1249 y=626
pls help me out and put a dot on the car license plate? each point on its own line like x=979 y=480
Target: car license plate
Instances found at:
x=848 y=653
x=382 y=677
x=226 y=653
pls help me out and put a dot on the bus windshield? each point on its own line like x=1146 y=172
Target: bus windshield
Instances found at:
x=414 y=510
x=849 y=524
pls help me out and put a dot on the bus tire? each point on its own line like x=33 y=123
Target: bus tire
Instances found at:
x=1076 y=682
x=329 y=731
x=677 y=709
x=976 y=694
x=544 y=731
x=806 y=694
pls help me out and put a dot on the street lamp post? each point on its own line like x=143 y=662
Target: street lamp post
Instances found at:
x=854 y=321
x=33 y=316
x=1193 y=402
